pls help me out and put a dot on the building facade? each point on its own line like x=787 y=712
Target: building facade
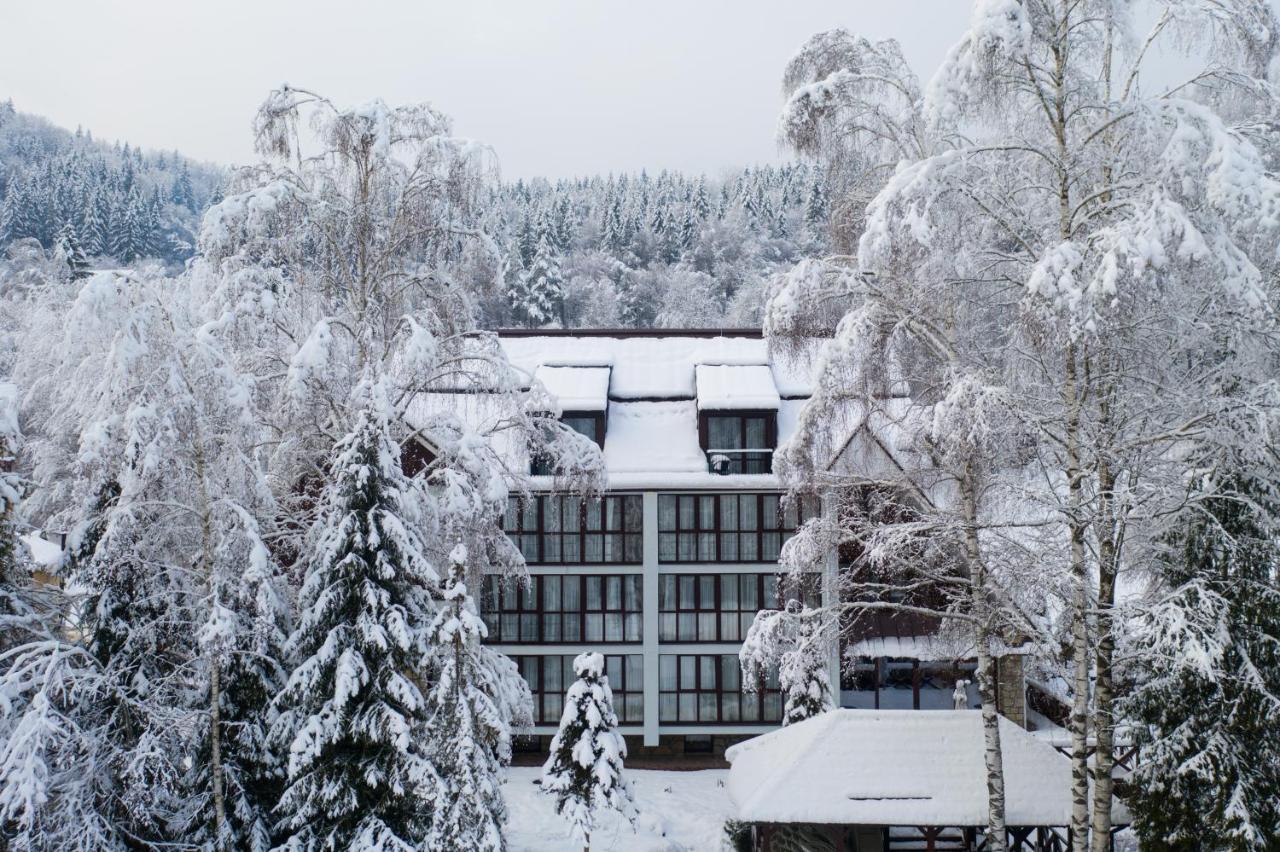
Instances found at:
x=665 y=573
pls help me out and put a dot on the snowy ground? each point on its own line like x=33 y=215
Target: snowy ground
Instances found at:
x=690 y=817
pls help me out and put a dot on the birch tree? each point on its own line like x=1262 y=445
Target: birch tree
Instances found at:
x=1112 y=222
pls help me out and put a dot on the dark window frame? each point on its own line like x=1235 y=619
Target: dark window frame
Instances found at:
x=766 y=696
x=530 y=534
x=548 y=712
x=758 y=462
x=532 y=624
x=700 y=542
x=693 y=614
x=539 y=466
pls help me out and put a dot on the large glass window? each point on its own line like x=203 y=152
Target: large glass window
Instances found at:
x=550 y=675
x=553 y=608
x=721 y=607
x=553 y=529
x=728 y=527
x=740 y=443
x=708 y=688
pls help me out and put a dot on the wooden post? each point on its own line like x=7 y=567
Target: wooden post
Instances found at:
x=915 y=684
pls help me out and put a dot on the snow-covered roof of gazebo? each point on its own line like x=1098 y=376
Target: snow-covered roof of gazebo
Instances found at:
x=895 y=767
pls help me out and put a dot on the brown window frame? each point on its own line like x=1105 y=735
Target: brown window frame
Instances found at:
x=747 y=458
x=627 y=697
x=531 y=620
x=709 y=542
x=530 y=534
x=691 y=610
x=767 y=695
x=539 y=467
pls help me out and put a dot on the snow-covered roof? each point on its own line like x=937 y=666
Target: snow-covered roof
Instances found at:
x=652 y=386
x=896 y=767
x=723 y=386
x=657 y=366
x=926 y=648
x=44 y=553
x=577 y=388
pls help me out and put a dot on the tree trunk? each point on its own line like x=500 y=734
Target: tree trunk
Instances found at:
x=215 y=751
x=997 y=836
x=1104 y=694
x=1079 y=720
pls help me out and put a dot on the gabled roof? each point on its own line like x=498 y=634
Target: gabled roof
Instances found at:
x=896 y=767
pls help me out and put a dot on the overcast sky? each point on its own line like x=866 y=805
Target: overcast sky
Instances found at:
x=557 y=87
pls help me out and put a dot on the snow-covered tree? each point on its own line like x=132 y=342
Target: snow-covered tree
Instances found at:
x=1207 y=706
x=470 y=741
x=68 y=250
x=584 y=770
x=537 y=296
x=791 y=642
x=352 y=716
x=1076 y=212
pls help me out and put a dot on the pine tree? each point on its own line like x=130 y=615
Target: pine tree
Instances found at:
x=245 y=636
x=538 y=295
x=352 y=716
x=584 y=769
x=69 y=251
x=803 y=674
x=1208 y=704
x=469 y=740
x=790 y=641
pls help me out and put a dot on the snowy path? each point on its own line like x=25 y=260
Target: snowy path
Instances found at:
x=688 y=819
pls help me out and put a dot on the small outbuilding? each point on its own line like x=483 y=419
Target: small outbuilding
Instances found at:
x=863 y=780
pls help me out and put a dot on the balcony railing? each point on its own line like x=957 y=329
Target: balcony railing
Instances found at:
x=727 y=462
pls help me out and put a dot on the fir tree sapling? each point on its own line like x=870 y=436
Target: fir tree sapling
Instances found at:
x=469 y=740
x=790 y=642
x=584 y=770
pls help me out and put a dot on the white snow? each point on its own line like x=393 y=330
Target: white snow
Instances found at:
x=689 y=818
x=655 y=437
x=657 y=367
x=44 y=553
x=577 y=388
x=848 y=767
x=722 y=386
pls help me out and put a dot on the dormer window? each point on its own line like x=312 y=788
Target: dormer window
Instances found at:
x=588 y=423
x=583 y=394
x=737 y=417
x=741 y=442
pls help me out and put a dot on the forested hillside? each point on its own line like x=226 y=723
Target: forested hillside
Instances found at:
x=673 y=250
x=669 y=251
x=97 y=202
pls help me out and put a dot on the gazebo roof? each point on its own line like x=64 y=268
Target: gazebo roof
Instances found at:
x=895 y=767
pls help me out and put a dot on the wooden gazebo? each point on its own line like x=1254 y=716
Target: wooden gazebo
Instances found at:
x=879 y=780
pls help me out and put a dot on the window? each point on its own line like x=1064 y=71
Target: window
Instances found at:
x=727 y=527
x=721 y=607
x=552 y=608
x=550 y=675
x=586 y=423
x=553 y=529
x=707 y=688
x=744 y=440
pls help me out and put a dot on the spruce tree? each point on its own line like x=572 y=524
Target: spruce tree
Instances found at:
x=1208 y=702
x=469 y=740
x=538 y=295
x=803 y=673
x=246 y=638
x=584 y=770
x=69 y=251
x=352 y=716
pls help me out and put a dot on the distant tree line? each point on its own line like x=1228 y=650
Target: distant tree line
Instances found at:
x=96 y=200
